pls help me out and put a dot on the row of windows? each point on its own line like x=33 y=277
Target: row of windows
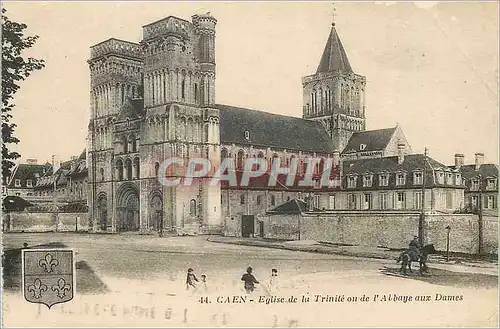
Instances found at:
x=491 y=184
x=259 y=198
x=301 y=165
x=399 y=201
x=400 y=180
x=29 y=183
x=489 y=202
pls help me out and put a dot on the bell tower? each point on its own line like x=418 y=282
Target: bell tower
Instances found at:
x=335 y=95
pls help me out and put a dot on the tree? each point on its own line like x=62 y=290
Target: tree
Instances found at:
x=14 y=69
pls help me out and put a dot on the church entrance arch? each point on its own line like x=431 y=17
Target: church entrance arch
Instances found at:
x=128 y=208
x=102 y=211
x=156 y=212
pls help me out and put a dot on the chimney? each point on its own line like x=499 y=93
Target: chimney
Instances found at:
x=31 y=161
x=459 y=160
x=479 y=160
x=401 y=153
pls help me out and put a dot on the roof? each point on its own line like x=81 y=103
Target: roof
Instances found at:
x=267 y=129
x=131 y=109
x=410 y=163
x=486 y=170
x=25 y=172
x=334 y=58
x=374 y=140
x=14 y=203
x=293 y=206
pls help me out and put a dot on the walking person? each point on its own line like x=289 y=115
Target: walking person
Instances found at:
x=191 y=280
x=271 y=286
x=249 y=280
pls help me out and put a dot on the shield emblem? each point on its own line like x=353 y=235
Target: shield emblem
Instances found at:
x=48 y=276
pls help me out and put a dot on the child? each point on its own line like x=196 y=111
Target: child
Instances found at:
x=204 y=282
x=250 y=280
x=271 y=287
x=191 y=279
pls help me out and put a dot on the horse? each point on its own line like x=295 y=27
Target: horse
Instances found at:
x=406 y=259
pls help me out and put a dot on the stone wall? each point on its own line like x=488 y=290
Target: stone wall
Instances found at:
x=382 y=229
x=22 y=221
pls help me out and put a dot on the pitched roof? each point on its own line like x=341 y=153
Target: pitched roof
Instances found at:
x=374 y=140
x=293 y=206
x=267 y=129
x=15 y=203
x=334 y=58
x=25 y=171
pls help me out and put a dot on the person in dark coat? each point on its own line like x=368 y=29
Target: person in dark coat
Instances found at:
x=414 y=248
x=191 y=279
x=250 y=280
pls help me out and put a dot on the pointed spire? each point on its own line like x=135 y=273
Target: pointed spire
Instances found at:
x=334 y=58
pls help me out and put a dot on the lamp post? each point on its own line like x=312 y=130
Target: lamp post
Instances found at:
x=448 y=229
x=480 y=215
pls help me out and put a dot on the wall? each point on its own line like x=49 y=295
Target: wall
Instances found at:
x=45 y=222
x=390 y=229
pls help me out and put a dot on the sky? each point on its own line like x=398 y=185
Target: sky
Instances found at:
x=431 y=68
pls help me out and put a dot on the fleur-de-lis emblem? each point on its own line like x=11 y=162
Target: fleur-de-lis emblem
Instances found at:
x=37 y=288
x=61 y=287
x=48 y=262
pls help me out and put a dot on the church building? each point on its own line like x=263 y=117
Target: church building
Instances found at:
x=156 y=99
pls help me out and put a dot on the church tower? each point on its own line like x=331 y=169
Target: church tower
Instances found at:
x=335 y=95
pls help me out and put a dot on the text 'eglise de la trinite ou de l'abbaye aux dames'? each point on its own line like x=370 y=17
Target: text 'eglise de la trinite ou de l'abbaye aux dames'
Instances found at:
x=162 y=156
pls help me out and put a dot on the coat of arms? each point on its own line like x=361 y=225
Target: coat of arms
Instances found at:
x=48 y=276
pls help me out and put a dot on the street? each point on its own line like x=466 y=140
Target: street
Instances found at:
x=139 y=280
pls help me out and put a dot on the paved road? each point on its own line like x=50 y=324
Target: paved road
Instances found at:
x=145 y=277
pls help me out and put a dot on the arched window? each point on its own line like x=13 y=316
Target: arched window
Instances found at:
x=259 y=200
x=273 y=200
x=195 y=92
x=102 y=173
x=157 y=168
x=192 y=207
x=242 y=199
x=189 y=129
x=239 y=163
x=183 y=86
x=119 y=169
x=125 y=145
x=223 y=153
x=128 y=169
x=137 y=168
x=260 y=155
x=131 y=143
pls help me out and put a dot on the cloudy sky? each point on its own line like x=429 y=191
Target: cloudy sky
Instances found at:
x=432 y=68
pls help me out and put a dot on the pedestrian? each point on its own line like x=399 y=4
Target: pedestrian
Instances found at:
x=271 y=286
x=250 y=280
x=204 y=282
x=191 y=279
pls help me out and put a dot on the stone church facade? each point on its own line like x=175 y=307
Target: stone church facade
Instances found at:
x=155 y=100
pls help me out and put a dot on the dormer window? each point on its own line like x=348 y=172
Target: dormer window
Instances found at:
x=17 y=183
x=400 y=179
x=247 y=135
x=440 y=177
x=418 y=178
x=491 y=185
x=362 y=147
x=384 y=180
x=351 y=181
x=367 y=180
x=29 y=183
x=474 y=184
x=449 y=179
